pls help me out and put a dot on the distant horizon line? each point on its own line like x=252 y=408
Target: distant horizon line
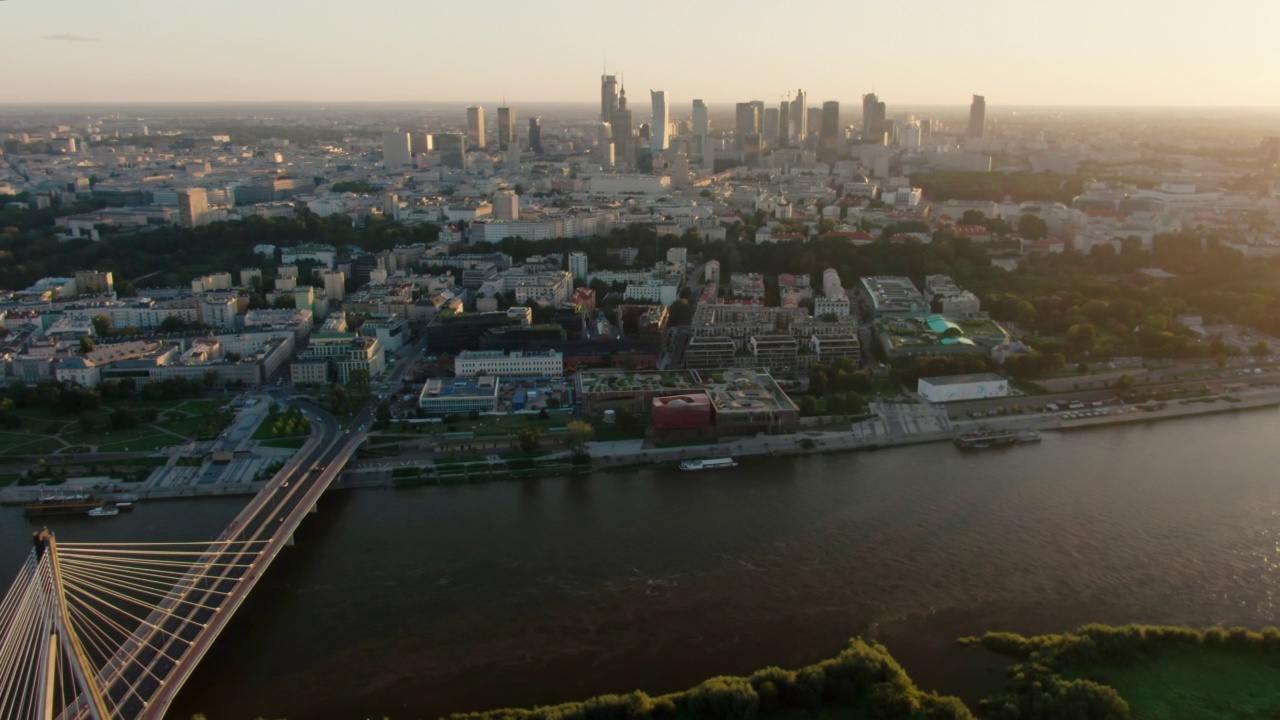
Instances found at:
x=591 y=103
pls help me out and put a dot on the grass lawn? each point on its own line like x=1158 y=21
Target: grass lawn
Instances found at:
x=140 y=443
x=1193 y=684
x=293 y=442
x=44 y=433
x=33 y=446
x=504 y=424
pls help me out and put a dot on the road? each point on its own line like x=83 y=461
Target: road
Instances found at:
x=142 y=679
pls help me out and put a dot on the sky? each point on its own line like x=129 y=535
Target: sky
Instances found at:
x=1015 y=52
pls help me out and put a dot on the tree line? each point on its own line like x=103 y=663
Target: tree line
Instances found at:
x=864 y=678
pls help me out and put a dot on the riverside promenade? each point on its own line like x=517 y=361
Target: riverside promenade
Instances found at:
x=899 y=424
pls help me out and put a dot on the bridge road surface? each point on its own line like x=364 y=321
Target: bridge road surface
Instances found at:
x=156 y=662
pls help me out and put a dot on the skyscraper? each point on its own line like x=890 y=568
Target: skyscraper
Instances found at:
x=535 y=135
x=800 y=116
x=624 y=149
x=977 y=116
x=608 y=97
x=701 y=122
x=193 y=205
x=604 y=144
x=770 y=128
x=745 y=120
x=784 y=124
x=396 y=149
x=828 y=140
x=506 y=126
x=873 y=116
x=661 y=126
x=453 y=149
x=475 y=127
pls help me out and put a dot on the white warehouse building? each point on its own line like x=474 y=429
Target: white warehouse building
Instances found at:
x=952 y=388
x=469 y=363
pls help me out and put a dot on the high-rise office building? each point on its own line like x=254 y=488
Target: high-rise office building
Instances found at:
x=396 y=149
x=193 y=207
x=661 y=126
x=800 y=116
x=420 y=143
x=624 y=148
x=475 y=127
x=453 y=149
x=535 y=135
x=506 y=126
x=829 y=138
x=770 y=129
x=977 y=116
x=604 y=144
x=873 y=117
x=506 y=205
x=759 y=107
x=608 y=97
x=745 y=120
x=784 y=124
x=813 y=119
x=701 y=124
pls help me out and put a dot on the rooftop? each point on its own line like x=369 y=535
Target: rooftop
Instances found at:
x=734 y=390
x=961 y=379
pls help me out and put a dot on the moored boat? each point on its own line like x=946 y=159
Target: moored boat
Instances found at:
x=67 y=503
x=712 y=464
x=104 y=511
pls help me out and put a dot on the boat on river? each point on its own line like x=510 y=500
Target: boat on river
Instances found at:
x=61 y=503
x=104 y=511
x=989 y=438
x=712 y=464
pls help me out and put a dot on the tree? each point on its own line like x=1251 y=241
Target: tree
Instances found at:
x=579 y=434
x=88 y=423
x=102 y=325
x=1032 y=227
x=808 y=405
x=529 y=439
x=1125 y=383
x=1081 y=337
x=383 y=414
x=359 y=378
x=87 y=345
x=1262 y=348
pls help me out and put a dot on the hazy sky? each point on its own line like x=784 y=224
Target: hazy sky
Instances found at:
x=1086 y=52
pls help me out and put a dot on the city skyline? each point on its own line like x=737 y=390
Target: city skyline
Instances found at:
x=948 y=54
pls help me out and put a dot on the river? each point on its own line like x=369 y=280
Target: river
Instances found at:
x=417 y=603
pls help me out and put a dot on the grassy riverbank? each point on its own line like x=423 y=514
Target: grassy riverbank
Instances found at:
x=1139 y=672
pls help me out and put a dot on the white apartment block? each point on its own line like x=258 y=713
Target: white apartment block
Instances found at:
x=470 y=363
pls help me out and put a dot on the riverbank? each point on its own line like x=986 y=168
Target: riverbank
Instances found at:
x=1095 y=672
x=895 y=425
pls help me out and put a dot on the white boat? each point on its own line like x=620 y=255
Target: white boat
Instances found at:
x=713 y=464
x=103 y=511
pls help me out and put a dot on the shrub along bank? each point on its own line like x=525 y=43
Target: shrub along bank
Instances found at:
x=863 y=681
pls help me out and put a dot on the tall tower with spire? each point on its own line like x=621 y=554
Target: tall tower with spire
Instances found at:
x=608 y=96
x=623 y=143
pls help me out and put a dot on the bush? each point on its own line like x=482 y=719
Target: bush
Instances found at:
x=730 y=698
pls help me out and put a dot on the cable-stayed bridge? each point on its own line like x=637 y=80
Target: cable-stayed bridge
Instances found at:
x=111 y=631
